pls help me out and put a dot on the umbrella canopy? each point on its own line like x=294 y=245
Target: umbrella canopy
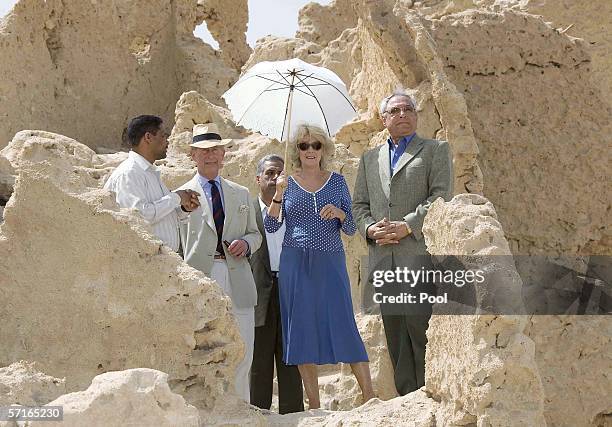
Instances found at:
x=274 y=97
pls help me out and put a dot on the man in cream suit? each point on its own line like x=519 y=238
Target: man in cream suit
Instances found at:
x=395 y=185
x=220 y=234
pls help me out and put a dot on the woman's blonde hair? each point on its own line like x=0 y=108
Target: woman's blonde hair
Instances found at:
x=303 y=132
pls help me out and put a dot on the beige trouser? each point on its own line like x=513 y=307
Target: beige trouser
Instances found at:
x=245 y=317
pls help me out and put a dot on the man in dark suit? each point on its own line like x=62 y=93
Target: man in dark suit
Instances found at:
x=268 y=331
x=395 y=185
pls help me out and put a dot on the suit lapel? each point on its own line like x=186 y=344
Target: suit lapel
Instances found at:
x=230 y=203
x=384 y=168
x=412 y=150
x=194 y=185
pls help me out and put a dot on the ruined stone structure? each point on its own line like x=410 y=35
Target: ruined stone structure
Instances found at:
x=519 y=88
x=114 y=61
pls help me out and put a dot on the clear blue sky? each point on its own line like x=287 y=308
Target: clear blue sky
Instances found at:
x=277 y=17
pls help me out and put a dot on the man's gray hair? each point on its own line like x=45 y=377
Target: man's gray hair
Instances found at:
x=397 y=92
x=268 y=158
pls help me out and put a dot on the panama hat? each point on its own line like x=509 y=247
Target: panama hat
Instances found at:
x=207 y=136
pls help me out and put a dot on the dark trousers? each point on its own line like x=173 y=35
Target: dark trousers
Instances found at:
x=268 y=349
x=406 y=341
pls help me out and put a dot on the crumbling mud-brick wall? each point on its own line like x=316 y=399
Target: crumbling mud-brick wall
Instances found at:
x=541 y=128
x=84 y=69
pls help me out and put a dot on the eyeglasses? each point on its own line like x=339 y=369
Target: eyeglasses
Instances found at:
x=303 y=146
x=404 y=110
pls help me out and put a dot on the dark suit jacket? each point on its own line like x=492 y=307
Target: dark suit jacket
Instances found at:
x=260 y=265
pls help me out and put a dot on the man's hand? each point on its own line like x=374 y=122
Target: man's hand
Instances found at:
x=189 y=199
x=386 y=232
x=238 y=248
x=378 y=229
x=398 y=230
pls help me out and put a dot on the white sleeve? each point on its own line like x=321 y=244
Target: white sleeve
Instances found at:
x=130 y=191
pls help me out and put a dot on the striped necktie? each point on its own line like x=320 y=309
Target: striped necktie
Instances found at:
x=218 y=214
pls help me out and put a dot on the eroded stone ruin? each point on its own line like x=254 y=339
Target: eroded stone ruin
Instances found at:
x=519 y=88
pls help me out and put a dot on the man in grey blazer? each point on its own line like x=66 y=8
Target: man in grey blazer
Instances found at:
x=220 y=234
x=395 y=185
x=268 y=330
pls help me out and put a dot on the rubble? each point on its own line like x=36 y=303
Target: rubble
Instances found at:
x=21 y=383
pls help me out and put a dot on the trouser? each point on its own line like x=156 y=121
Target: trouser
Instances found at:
x=245 y=317
x=406 y=341
x=268 y=349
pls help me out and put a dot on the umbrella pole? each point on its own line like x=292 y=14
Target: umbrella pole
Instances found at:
x=289 y=108
x=287 y=162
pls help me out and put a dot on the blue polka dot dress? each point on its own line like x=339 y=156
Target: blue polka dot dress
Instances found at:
x=315 y=298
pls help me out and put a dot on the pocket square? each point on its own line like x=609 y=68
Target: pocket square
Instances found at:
x=243 y=208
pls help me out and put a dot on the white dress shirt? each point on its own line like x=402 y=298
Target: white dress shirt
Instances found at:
x=137 y=184
x=275 y=240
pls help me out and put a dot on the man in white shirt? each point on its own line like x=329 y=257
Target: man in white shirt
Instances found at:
x=268 y=330
x=220 y=234
x=137 y=184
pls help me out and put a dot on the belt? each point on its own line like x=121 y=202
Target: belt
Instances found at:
x=275 y=274
x=219 y=256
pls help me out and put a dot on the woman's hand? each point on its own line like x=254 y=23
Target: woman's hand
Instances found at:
x=281 y=186
x=330 y=212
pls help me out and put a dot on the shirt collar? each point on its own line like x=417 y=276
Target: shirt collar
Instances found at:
x=203 y=179
x=403 y=142
x=262 y=205
x=141 y=161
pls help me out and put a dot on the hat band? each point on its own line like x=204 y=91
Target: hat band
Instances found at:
x=206 y=137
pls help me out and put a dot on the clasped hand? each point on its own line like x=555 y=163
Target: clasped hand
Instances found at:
x=386 y=232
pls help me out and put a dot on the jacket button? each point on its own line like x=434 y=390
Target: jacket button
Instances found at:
x=390 y=205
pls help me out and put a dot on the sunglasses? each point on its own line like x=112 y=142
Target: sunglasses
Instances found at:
x=303 y=146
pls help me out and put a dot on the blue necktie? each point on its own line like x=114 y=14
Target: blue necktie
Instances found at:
x=218 y=214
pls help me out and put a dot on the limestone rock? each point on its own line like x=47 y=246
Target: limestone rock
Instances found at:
x=467 y=225
x=415 y=409
x=481 y=367
x=322 y=24
x=536 y=120
x=193 y=108
x=227 y=23
x=575 y=19
x=573 y=357
x=273 y=48
x=233 y=411
x=21 y=383
x=133 y=303
x=135 y=397
x=85 y=69
x=58 y=154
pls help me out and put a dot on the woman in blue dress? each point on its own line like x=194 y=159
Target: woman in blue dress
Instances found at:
x=316 y=309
